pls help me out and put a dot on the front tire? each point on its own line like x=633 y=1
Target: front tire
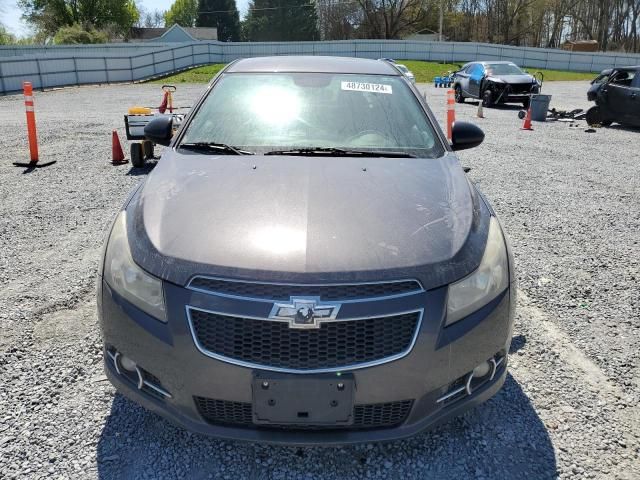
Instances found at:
x=487 y=98
x=137 y=155
x=458 y=94
x=594 y=117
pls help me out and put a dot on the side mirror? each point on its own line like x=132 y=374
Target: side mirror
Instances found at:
x=465 y=135
x=160 y=130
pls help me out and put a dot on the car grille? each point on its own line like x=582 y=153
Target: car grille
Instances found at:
x=274 y=291
x=375 y=415
x=334 y=345
x=520 y=88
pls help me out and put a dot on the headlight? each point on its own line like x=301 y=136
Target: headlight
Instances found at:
x=127 y=278
x=489 y=280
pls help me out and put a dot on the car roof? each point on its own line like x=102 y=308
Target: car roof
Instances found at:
x=489 y=62
x=315 y=64
x=497 y=62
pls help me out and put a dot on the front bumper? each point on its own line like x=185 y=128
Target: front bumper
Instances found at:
x=439 y=358
x=506 y=94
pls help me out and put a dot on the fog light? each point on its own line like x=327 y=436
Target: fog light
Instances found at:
x=128 y=364
x=481 y=370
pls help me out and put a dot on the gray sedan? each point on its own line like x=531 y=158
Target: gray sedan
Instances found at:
x=308 y=263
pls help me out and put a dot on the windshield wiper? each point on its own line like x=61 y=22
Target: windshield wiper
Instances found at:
x=339 y=152
x=214 y=148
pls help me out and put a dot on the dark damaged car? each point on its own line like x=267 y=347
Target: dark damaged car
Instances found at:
x=309 y=263
x=616 y=93
x=494 y=83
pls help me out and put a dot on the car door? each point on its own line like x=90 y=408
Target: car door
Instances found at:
x=621 y=97
x=462 y=78
x=476 y=74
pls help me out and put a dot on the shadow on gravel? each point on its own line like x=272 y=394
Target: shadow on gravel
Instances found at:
x=517 y=342
x=504 y=438
x=499 y=106
x=624 y=128
x=136 y=172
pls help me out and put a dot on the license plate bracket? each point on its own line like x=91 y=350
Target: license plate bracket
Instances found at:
x=287 y=399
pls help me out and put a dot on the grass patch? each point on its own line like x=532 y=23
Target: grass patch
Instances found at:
x=195 y=75
x=424 y=72
x=561 y=75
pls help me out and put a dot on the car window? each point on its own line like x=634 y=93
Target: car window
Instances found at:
x=476 y=69
x=623 y=77
x=503 y=69
x=270 y=111
x=602 y=78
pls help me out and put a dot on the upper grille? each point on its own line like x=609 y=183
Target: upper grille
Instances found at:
x=375 y=415
x=334 y=345
x=274 y=291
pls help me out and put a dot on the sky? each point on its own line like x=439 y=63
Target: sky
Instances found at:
x=10 y=13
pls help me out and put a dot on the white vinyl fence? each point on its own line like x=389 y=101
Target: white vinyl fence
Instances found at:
x=48 y=67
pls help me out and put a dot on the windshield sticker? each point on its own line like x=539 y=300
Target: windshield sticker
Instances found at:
x=366 y=87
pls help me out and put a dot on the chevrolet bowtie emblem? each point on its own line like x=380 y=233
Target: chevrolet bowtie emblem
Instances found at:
x=304 y=312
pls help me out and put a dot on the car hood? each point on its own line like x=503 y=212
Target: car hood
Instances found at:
x=512 y=78
x=302 y=218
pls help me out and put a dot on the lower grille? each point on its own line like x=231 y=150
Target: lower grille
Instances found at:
x=334 y=345
x=520 y=88
x=239 y=414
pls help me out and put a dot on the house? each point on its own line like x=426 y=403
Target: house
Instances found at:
x=173 y=34
x=581 y=45
x=426 y=37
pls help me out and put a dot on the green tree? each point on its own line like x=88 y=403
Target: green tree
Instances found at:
x=182 y=12
x=6 y=38
x=281 y=20
x=48 y=16
x=222 y=14
x=76 y=34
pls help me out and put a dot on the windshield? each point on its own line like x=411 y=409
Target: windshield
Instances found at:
x=503 y=69
x=274 y=111
x=602 y=78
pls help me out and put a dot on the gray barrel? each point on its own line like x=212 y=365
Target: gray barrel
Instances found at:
x=539 y=107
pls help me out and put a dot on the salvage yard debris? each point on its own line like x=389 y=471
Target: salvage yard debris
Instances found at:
x=576 y=114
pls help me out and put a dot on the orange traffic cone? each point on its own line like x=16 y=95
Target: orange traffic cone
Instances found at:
x=526 y=125
x=117 y=155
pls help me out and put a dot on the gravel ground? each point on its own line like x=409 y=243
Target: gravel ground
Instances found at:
x=568 y=199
